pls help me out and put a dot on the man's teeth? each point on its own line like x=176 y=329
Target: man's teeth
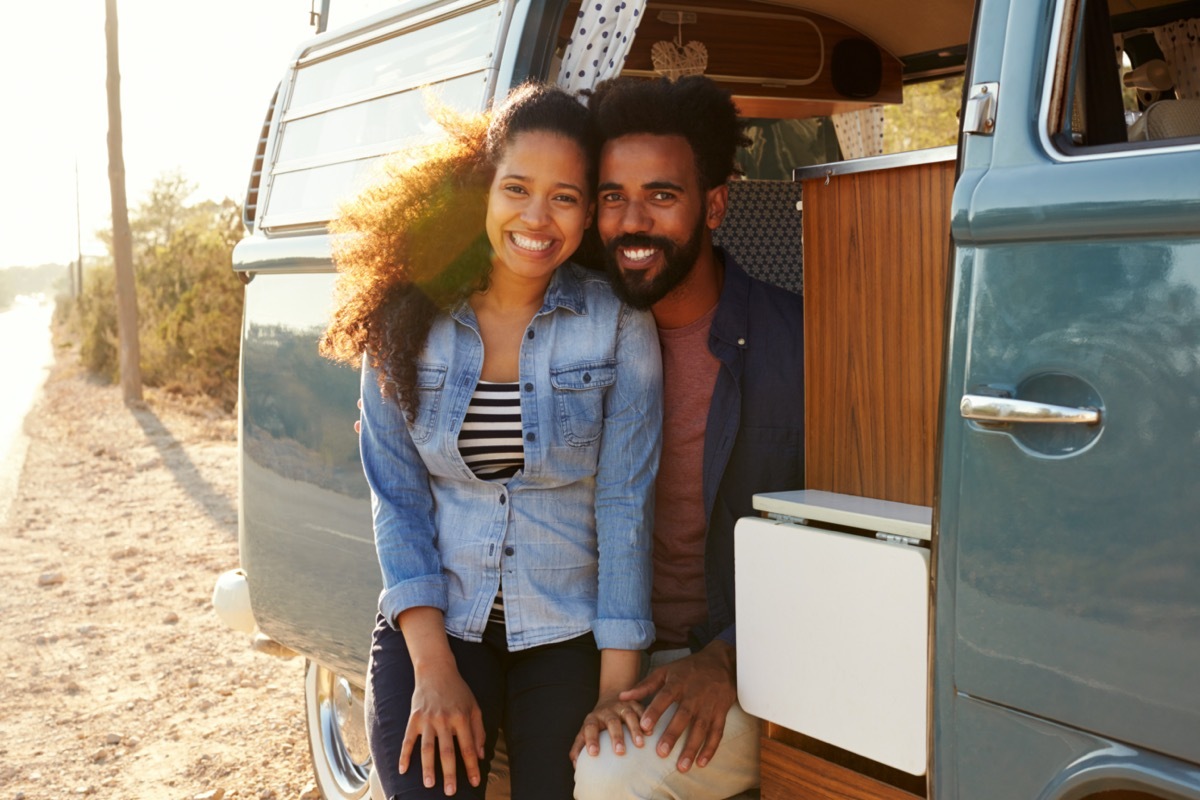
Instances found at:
x=639 y=254
x=526 y=243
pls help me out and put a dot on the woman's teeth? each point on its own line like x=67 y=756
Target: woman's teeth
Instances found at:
x=525 y=243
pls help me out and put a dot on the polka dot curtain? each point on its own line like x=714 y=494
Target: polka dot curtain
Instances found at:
x=1180 y=44
x=860 y=133
x=599 y=42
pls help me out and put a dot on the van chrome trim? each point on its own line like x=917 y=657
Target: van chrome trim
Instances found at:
x=292 y=254
x=931 y=155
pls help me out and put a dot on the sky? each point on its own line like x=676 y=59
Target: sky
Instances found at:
x=196 y=79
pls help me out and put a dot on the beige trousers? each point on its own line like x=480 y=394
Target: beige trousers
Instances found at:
x=640 y=773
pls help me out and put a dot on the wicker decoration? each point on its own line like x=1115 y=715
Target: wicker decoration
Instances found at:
x=674 y=61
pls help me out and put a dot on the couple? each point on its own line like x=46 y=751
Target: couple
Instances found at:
x=514 y=409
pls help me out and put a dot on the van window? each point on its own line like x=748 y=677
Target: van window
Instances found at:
x=352 y=103
x=1125 y=81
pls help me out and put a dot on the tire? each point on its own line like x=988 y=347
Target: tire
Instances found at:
x=337 y=736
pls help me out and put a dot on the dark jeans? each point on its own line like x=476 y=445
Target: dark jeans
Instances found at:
x=538 y=696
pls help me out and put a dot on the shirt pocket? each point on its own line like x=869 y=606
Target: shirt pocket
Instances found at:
x=579 y=398
x=431 y=378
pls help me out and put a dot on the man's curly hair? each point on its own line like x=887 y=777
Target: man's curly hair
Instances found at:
x=415 y=245
x=692 y=107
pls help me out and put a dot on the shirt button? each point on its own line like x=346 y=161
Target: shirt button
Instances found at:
x=529 y=387
x=503 y=499
x=531 y=437
x=587 y=377
x=508 y=551
x=742 y=342
x=529 y=335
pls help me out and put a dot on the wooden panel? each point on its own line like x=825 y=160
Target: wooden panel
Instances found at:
x=876 y=255
x=764 y=42
x=791 y=774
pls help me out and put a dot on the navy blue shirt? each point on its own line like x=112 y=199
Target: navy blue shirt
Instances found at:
x=755 y=437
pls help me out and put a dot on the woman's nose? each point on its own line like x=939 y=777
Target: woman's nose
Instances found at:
x=536 y=212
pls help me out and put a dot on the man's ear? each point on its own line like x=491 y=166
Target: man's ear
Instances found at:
x=718 y=203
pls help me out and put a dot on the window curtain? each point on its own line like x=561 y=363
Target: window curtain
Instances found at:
x=1180 y=44
x=860 y=133
x=599 y=42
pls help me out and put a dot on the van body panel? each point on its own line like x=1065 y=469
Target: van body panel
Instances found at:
x=1068 y=554
x=306 y=537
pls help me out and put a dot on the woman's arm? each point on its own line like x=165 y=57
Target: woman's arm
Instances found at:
x=443 y=706
x=401 y=505
x=627 y=466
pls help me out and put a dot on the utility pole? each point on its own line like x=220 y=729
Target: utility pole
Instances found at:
x=129 y=352
x=77 y=267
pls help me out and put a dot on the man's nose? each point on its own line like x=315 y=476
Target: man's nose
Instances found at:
x=634 y=218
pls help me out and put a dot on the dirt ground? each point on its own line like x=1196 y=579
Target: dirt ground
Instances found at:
x=118 y=679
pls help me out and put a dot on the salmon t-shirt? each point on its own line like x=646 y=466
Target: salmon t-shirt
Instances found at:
x=689 y=375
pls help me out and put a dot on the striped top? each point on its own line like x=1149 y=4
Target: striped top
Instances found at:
x=490 y=444
x=490 y=439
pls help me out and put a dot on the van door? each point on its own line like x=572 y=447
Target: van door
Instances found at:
x=1068 y=583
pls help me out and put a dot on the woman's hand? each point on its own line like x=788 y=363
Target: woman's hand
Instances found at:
x=609 y=715
x=444 y=709
x=443 y=706
x=618 y=671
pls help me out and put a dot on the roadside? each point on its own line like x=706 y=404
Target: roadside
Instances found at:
x=119 y=681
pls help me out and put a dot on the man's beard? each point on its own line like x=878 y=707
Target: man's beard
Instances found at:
x=633 y=286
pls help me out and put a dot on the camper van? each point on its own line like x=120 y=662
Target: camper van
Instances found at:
x=989 y=588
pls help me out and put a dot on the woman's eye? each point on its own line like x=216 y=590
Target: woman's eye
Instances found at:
x=567 y=198
x=515 y=189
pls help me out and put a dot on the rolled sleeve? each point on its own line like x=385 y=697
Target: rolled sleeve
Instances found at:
x=628 y=464
x=401 y=504
x=623 y=634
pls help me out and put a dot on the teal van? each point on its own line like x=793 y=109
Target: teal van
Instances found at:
x=990 y=587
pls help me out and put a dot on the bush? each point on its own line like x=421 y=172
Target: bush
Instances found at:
x=189 y=300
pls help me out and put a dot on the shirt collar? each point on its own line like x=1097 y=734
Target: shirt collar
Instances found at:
x=733 y=310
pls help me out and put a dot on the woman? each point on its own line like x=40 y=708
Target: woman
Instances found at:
x=510 y=435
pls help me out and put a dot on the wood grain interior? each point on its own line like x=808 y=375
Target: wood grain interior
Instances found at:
x=759 y=41
x=792 y=774
x=876 y=255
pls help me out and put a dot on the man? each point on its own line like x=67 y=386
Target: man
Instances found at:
x=733 y=426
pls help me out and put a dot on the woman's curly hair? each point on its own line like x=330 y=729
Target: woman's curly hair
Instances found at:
x=415 y=245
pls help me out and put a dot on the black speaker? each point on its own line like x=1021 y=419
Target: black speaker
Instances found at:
x=856 y=68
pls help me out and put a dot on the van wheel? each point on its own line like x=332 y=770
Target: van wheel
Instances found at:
x=337 y=734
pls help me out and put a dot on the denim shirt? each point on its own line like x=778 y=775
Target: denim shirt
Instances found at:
x=755 y=437
x=569 y=536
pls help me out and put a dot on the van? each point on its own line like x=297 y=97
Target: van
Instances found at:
x=990 y=586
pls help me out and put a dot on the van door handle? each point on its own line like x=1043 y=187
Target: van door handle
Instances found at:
x=1005 y=409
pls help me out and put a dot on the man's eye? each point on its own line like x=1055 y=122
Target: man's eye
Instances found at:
x=611 y=197
x=663 y=197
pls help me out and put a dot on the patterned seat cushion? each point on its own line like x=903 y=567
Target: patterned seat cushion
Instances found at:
x=762 y=231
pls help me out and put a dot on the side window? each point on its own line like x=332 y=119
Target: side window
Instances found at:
x=351 y=103
x=1125 y=81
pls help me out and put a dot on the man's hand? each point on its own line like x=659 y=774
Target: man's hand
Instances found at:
x=610 y=712
x=705 y=686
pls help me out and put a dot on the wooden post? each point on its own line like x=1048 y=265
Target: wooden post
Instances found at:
x=127 y=313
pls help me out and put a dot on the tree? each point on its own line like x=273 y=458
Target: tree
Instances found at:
x=127 y=312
